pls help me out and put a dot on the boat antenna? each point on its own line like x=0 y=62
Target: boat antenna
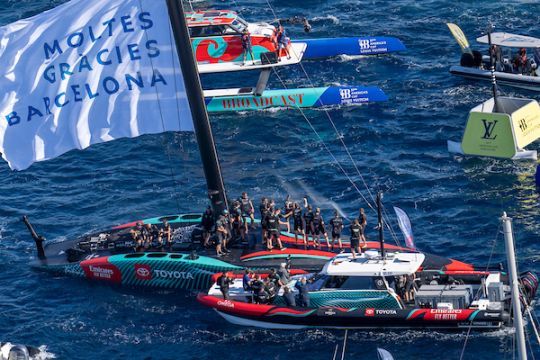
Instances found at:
x=201 y=123
x=512 y=272
x=39 y=240
x=381 y=223
x=492 y=68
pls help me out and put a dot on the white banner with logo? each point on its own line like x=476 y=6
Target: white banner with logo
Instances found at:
x=87 y=72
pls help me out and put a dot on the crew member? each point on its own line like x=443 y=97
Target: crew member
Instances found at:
x=289 y=210
x=272 y=225
x=265 y=212
x=248 y=211
x=207 y=222
x=237 y=222
x=166 y=233
x=308 y=221
x=356 y=235
x=337 y=227
x=247 y=46
x=224 y=281
x=362 y=219
x=521 y=62
x=319 y=229
x=221 y=232
x=247 y=280
x=298 y=223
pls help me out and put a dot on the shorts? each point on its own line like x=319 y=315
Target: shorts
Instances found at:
x=298 y=226
x=308 y=230
x=355 y=243
x=220 y=238
x=274 y=233
x=336 y=235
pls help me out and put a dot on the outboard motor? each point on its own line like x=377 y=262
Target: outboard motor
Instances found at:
x=471 y=60
x=10 y=351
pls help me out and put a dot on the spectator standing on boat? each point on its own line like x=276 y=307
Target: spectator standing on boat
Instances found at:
x=247 y=280
x=247 y=46
x=275 y=278
x=265 y=212
x=356 y=235
x=303 y=289
x=282 y=42
x=337 y=227
x=496 y=55
x=298 y=224
x=207 y=222
x=224 y=281
x=284 y=274
x=257 y=286
x=308 y=221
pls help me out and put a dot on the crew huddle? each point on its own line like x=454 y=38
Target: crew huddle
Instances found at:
x=264 y=288
x=308 y=226
x=150 y=236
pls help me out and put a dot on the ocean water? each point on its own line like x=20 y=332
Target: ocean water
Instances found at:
x=399 y=147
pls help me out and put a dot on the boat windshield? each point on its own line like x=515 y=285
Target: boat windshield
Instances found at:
x=212 y=30
x=239 y=25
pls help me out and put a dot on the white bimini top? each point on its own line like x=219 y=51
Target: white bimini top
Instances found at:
x=510 y=40
x=371 y=264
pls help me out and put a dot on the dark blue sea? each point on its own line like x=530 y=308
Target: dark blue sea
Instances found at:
x=399 y=147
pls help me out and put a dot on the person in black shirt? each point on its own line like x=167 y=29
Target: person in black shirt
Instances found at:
x=237 y=222
x=298 y=223
x=337 y=227
x=207 y=222
x=319 y=229
x=257 y=286
x=272 y=225
x=362 y=219
x=224 y=281
x=265 y=212
x=167 y=233
x=308 y=221
x=356 y=234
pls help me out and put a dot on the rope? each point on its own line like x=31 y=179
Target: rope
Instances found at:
x=480 y=288
x=329 y=117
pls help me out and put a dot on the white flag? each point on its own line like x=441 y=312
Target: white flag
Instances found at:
x=87 y=72
x=405 y=226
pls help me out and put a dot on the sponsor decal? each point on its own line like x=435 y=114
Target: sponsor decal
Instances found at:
x=385 y=312
x=261 y=102
x=353 y=96
x=372 y=46
x=101 y=269
x=168 y=274
x=489 y=126
x=369 y=312
x=445 y=314
x=226 y=303
x=143 y=272
x=330 y=312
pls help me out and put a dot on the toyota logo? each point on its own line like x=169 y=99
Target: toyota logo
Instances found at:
x=143 y=272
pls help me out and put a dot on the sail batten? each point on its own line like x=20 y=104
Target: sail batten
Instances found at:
x=88 y=72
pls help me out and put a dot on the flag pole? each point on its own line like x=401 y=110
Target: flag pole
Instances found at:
x=203 y=129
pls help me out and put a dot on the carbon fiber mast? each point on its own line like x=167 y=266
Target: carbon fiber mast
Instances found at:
x=203 y=129
x=381 y=224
